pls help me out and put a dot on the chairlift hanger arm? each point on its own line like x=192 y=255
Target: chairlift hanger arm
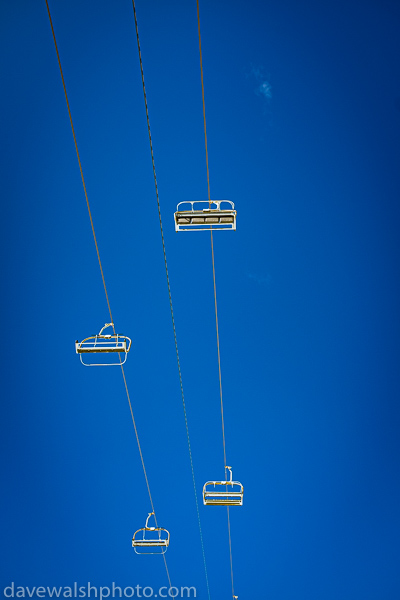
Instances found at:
x=105 y=327
x=148 y=517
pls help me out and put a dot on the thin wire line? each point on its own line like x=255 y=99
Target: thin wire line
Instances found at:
x=79 y=161
x=204 y=104
x=144 y=468
x=102 y=274
x=170 y=297
x=230 y=549
x=214 y=282
x=212 y=241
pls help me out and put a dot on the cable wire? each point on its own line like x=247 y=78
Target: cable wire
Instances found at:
x=170 y=296
x=102 y=276
x=215 y=286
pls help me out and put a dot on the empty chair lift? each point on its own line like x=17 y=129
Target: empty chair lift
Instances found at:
x=201 y=215
x=213 y=495
x=154 y=540
x=104 y=343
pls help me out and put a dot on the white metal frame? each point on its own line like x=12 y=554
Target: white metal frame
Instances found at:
x=160 y=542
x=232 y=497
x=97 y=344
x=205 y=218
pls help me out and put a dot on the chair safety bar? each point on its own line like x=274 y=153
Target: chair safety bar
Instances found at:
x=200 y=215
x=104 y=343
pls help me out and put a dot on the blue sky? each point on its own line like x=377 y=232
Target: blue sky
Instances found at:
x=303 y=117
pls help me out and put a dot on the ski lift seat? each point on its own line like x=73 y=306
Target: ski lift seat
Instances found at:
x=146 y=541
x=222 y=498
x=200 y=215
x=232 y=495
x=120 y=346
x=103 y=344
x=150 y=543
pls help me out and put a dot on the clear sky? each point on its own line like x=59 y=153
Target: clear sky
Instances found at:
x=303 y=118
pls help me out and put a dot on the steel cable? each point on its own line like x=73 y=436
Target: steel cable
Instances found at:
x=215 y=287
x=170 y=296
x=102 y=276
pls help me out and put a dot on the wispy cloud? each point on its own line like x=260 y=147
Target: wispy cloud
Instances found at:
x=263 y=85
x=264 y=280
x=265 y=89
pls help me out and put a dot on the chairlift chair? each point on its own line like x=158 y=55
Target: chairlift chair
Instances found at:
x=213 y=495
x=104 y=343
x=153 y=537
x=201 y=215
